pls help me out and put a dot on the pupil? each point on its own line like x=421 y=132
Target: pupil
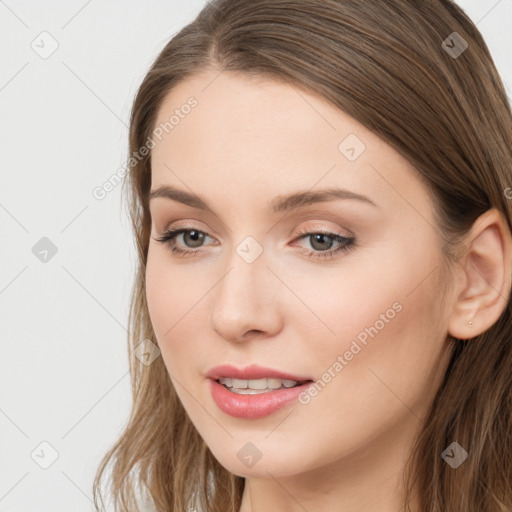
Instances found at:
x=321 y=236
x=196 y=237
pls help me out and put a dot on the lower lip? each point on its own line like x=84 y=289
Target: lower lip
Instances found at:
x=253 y=406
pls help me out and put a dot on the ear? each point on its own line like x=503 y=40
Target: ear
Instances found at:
x=483 y=285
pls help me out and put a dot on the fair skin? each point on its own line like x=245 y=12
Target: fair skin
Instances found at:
x=247 y=142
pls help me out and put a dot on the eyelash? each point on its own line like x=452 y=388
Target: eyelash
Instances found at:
x=346 y=242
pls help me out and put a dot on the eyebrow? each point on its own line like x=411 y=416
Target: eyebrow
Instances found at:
x=284 y=203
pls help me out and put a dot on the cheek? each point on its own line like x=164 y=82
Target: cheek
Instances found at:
x=174 y=303
x=376 y=354
x=339 y=305
x=380 y=317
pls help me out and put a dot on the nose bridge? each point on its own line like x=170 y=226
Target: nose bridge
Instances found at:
x=245 y=298
x=246 y=282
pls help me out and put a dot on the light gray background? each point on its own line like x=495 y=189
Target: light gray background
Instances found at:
x=63 y=131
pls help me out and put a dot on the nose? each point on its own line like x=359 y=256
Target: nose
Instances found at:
x=246 y=302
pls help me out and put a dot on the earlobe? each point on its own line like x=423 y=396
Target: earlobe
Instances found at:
x=485 y=282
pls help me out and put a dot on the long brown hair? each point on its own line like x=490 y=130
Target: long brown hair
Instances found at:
x=385 y=64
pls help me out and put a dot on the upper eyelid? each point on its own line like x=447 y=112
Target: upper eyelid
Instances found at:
x=310 y=229
x=320 y=224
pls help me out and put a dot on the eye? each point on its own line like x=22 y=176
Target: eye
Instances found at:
x=322 y=247
x=318 y=242
x=192 y=236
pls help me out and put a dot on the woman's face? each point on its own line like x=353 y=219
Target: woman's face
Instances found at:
x=360 y=316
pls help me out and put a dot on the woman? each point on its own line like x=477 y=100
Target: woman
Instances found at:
x=320 y=193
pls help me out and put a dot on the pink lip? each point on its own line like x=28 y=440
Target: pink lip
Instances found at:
x=253 y=406
x=252 y=371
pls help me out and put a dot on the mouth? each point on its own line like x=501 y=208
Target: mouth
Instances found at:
x=254 y=391
x=250 y=399
x=258 y=386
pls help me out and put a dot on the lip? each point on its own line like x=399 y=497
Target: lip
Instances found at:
x=258 y=405
x=253 y=406
x=251 y=372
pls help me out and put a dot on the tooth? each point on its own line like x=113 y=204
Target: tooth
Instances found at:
x=274 y=383
x=239 y=383
x=257 y=384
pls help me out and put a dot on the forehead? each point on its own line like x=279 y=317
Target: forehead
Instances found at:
x=252 y=136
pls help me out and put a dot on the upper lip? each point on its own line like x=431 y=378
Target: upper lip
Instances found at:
x=251 y=372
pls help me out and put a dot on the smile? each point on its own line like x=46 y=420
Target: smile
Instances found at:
x=248 y=403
